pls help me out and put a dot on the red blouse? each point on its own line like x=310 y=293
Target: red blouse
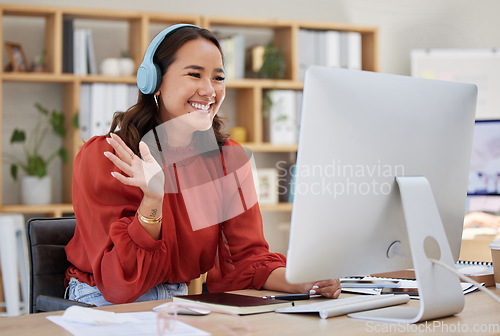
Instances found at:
x=211 y=223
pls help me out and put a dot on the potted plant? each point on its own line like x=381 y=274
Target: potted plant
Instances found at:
x=34 y=164
x=38 y=64
x=273 y=65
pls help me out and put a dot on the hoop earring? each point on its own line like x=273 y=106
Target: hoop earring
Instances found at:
x=156 y=101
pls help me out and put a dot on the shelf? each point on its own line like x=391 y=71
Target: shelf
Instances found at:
x=40 y=77
x=107 y=79
x=57 y=210
x=248 y=94
x=248 y=83
x=267 y=147
x=280 y=207
x=54 y=210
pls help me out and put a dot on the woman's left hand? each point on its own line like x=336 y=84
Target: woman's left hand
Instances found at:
x=276 y=281
x=328 y=288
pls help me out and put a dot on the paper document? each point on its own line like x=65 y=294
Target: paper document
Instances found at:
x=143 y=323
x=466 y=287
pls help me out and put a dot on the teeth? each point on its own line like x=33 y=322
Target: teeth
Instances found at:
x=200 y=106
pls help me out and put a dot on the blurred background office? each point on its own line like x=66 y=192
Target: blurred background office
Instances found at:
x=403 y=25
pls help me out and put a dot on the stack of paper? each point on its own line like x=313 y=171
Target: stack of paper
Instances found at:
x=403 y=283
x=81 y=321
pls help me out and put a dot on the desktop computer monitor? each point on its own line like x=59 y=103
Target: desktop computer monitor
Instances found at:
x=360 y=130
x=484 y=178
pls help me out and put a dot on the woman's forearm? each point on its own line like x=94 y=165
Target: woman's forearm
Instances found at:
x=150 y=216
x=277 y=282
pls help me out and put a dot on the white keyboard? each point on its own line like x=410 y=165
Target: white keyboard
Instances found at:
x=351 y=304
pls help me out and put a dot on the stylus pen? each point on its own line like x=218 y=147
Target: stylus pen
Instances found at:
x=290 y=297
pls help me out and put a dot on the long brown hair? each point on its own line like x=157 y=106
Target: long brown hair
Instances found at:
x=144 y=116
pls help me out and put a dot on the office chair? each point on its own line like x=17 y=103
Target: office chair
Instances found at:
x=47 y=238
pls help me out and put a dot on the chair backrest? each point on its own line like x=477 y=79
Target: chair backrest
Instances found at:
x=47 y=238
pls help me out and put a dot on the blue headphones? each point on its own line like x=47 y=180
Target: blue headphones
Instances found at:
x=149 y=74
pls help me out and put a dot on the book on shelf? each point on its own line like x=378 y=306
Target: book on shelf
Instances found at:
x=329 y=48
x=306 y=51
x=80 y=52
x=267 y=185
x=234 y=56
x=284 y=116
x=332 y=49
x=254 y=59
x=84 y=112
x=235 y=303
x=285 y=174
x=99 y=108
x=350 y=50
x=84 y=59
x=91 y=59
x=292 y=183
x=68 y=46
x=99 y=102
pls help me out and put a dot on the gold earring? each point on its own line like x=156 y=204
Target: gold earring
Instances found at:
x=156 y=101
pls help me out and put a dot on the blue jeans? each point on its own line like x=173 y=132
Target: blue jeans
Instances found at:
x=80 y=291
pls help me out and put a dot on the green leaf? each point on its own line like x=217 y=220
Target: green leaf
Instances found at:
x=42 y=109
x=37 y=166
x=63 y=154
x=76 y=121
x=18 y=136
x=57 y=123
x=13 y=171
x=267 y=103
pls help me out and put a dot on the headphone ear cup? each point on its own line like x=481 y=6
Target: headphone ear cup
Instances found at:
x=147 y=77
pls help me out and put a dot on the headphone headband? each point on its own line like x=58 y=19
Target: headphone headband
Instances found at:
x=149 y=74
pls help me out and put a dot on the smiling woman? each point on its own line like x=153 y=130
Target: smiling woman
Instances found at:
x=166 y=196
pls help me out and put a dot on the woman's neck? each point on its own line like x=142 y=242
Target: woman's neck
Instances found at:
x=177 y=134
x=175 y=140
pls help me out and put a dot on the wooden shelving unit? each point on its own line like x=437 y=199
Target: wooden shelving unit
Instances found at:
x=280 y=207
x=51 y=210
x=141 y=26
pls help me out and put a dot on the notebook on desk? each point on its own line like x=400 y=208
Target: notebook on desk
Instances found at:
x=480 y=271
x=235 y=303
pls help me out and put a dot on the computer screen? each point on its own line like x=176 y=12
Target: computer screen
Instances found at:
x=484 y=178
x=358 y=131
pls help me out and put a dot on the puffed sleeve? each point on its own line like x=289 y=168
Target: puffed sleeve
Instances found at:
x=244 y=259
x=110 y=247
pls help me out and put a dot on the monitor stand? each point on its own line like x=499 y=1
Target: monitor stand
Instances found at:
x=440 y=291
